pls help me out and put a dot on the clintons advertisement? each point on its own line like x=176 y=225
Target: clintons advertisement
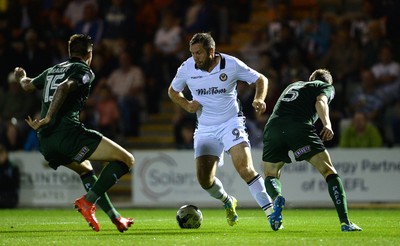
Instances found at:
x=42 y=186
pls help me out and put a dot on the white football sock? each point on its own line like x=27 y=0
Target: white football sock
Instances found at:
x=217 y=191
x=259 y=193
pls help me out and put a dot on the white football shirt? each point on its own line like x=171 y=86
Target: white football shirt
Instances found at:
x=215 y=90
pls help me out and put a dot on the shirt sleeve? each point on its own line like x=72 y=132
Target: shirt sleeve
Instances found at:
x=179 y=82
x=40 y=80
x=329 y=91
x=82 y=75
x=245 y=73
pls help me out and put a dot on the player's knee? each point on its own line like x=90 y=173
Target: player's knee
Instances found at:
x=84 y=172
x=87 y=173
x=328 y=172
x=86 y=165
x=130 y=160
x=268 y=172
x=205 y=185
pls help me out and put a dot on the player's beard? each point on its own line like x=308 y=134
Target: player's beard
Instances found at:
x=206 y=64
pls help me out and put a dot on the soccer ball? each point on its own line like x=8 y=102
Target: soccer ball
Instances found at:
x=189 y=217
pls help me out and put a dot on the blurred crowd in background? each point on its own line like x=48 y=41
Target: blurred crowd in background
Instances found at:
x=139 y=44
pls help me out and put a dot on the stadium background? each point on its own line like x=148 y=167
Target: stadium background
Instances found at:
x=34 y=33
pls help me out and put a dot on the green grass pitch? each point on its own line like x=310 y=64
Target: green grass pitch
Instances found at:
x=159 y=227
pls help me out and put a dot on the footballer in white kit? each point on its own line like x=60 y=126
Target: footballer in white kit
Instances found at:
x=221 y=123
x=212 y=79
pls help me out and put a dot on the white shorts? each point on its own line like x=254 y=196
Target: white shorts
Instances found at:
x=214 y=140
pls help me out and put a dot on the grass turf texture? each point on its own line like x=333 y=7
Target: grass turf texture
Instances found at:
x=159 y=227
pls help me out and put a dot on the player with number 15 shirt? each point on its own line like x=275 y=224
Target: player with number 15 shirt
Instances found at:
x=65 y=141
x=68 y=116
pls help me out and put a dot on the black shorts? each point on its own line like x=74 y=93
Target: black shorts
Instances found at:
x=281 y=137
x=67 y=146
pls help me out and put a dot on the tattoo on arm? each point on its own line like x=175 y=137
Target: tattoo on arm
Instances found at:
x=59 y=97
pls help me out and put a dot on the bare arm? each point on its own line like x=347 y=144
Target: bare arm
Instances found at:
x=260 y=94
x=179 y=99
x=322 y=108
x=59 y=97
x=23 y=80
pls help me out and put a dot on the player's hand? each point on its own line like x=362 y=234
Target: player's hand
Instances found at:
x=37 y=124
x=193 y=106
x=19 y=73
x=326 y=134
x=259 y=106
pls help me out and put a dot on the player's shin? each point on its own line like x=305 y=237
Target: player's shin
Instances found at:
x=257 y=190
x=273 y=186
x=338 y=196
x=217 y=191
x=108 y=177
x=104 y=202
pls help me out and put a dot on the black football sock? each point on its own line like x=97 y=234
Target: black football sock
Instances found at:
x=273 y=187
x=338 y=196
x=108 y=177
x=104 y=202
